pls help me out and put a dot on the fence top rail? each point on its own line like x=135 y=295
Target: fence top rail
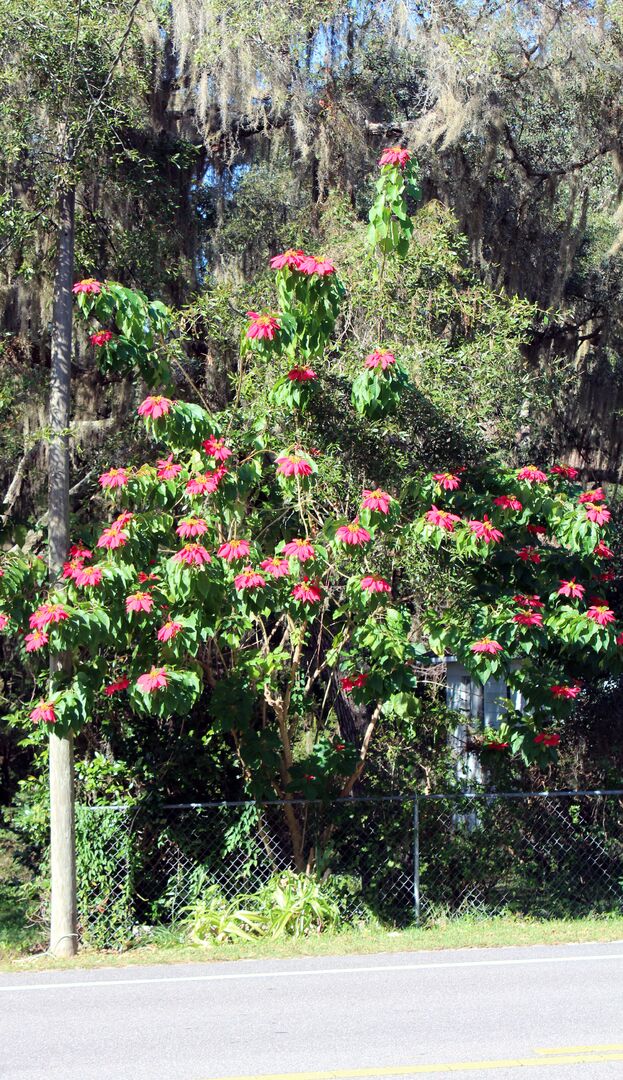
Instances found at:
x=406 y=797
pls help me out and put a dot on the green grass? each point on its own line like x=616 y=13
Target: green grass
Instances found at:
x=463 y=933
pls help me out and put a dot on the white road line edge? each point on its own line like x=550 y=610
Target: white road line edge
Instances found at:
x=314 y=972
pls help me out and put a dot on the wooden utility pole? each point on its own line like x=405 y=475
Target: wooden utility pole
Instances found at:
x=63 y=928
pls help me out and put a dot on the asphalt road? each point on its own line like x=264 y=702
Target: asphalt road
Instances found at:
x=543 y=1013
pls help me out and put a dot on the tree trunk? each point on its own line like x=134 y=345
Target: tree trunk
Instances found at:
x=63 y=936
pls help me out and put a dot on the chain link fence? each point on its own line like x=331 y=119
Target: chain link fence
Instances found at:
x=396 y=860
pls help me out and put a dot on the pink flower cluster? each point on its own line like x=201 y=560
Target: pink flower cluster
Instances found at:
x=262 y=327
x=234 y=549
x=191 y=526
x=376 y=500
x=295 y=464
x=88 y=286
x=168 y=469
x=302 y=374
x=114 y=478
x=544 y=739
x=531 y=475
x=486 y=645
x=101 y=338
x=117 y=687
x=507 y=502
x=442 y=519
x=155 y=407
x=307 y=592
x=293 y=259
x=353 y=535
x=447 y=481
x=299 y=549
x=395 y=155
x=206 y=483
x=216 y=448
x=249 y=578
x=485 y=530
x=43 y=713
x=354 y=682
x=566 y=692
x=193 y=555
x=153 y=680
x=380 y=359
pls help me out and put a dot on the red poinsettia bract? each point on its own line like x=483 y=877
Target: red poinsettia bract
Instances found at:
x=71 y=568
x=248 y=578
x=262 y=327
x=567 y=692
x=277 y=568
x=191 y=526
x=602 y=551
x=155 y=406
x=153 y=680
x=571 y=588
x=486 y=531
x=206 y=483
x=442 y=519
x=527 y=601
x=117 y=687
x=169 y=630
x=299 y=549
x=43 y=713
x=566 y=471
x=380 y=359
x=102 y=338
x=193 y=555
x=601 y=614
x=507 y=502
x=37 y=639
x=215 y=448
x=47 y=613
x=88 y=285
x=112 y=538
x=376 y=500
x=372 y=584
x=291 y=259
x=168 y=469
x=395 y=155
x=353 y=535
x=528 y=617
x=79 y=551
x=302 y=374
x=316 y=264
x=88 y=577
x=597 y=513
x=531 y=475
x=114 y=478
x=354 y=682
x=234 y=549
x=545 y=739
x=486 y=645
x=293 y=465
x=139 y=601
x=307 y=592
x=529 y=554
x=592 y=496
x=447 y=481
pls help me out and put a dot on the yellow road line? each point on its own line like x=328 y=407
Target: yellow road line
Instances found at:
x=436 y=1070
x=580 y=1049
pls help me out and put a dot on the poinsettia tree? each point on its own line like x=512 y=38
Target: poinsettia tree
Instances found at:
x=230 y=571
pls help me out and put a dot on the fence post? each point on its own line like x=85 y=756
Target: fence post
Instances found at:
x=416 y=859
